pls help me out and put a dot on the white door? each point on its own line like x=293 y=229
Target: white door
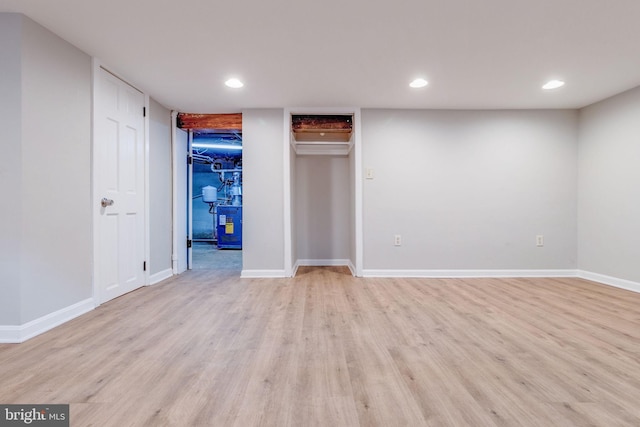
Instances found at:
x=119 y=187
x=181 y=153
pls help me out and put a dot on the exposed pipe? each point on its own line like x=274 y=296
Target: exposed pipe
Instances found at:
x=202 y=158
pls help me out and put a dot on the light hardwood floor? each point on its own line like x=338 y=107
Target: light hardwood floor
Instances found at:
x=326 y=349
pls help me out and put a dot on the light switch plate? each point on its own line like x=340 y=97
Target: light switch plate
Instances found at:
x=369 y=173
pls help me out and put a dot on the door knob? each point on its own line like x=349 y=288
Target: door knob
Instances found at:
x=106 y=202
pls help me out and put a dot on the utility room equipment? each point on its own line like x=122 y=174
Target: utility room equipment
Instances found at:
x=229 y=227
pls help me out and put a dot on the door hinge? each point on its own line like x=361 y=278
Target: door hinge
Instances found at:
x=189 y=159
x=144 y=266
x=189 y=243
x=144 y=111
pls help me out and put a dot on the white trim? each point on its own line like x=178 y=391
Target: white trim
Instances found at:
x=160 y=276
x=609 y=280
x=178 y=160
x=352 y=268
x=174 y=192
x=95 y=71
x=322 y=262
x=286 y=215
x=10 y=334
x=469 y=273
x=296 y=266
x=18 y=334
x=147 y=214
x=256 y=274
x=190 y=200
x=359 y=198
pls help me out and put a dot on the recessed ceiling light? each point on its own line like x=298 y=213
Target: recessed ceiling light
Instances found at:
x=553 y=84
x=234 y=83
x=417 y=83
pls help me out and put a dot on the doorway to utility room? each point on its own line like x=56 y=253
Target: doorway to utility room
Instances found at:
x=216 y=196
x=217 y=200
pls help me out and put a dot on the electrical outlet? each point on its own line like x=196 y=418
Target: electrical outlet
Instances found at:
x=539 y=240
x=397 y=240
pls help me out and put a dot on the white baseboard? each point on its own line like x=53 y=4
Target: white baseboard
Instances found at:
x=10 y=334
x=609 y=280
x=322 y=262
x=294 y=270
x=251 y=274
x=160 y=276
x=352 y=268
x=18 y=334
x=468 y=273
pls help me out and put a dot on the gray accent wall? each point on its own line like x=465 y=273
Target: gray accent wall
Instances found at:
x=10 y=166
x=609 y=187
x=160 y=188
x=46 y=158
x=263 y=190
x=470 y=189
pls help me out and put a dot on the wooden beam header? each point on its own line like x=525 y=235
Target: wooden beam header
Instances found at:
x=318 y=122
x=322 y=127
x=230 y=122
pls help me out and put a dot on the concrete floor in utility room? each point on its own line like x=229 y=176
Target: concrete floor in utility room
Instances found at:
x=207 y=256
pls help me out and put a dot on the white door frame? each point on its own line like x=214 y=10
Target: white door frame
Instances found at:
x=175 y=256
x=96 y=65
x=190 y=201
x=180 y=232
x=174 y=195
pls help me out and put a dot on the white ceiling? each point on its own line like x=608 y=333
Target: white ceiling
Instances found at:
x=488 y=54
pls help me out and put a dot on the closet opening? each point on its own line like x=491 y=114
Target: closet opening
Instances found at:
x=323 y=190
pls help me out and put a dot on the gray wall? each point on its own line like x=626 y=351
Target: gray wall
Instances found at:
x=56 y=147
x=609 y=181
x=352 y=207
x=323 y=207
x=263 y=192
x=54 y=176
x=294 y=204
x=10 y=166
x=160 y=183
x=470 y=189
